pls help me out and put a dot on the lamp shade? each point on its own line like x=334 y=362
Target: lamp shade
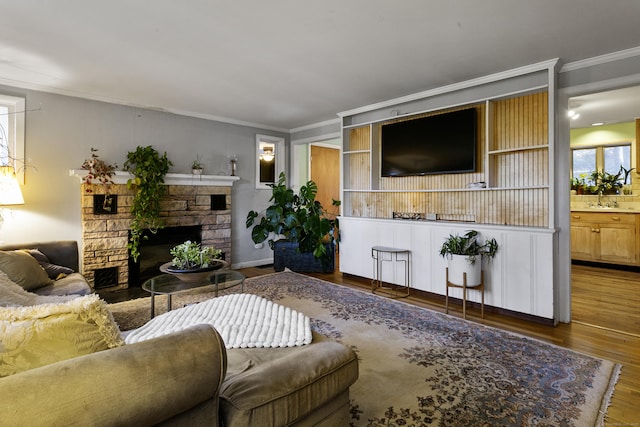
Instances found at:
x=10 y=193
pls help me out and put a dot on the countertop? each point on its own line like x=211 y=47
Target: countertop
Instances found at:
x=607 y=210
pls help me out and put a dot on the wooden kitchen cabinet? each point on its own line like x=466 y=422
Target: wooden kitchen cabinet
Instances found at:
x=604 y=237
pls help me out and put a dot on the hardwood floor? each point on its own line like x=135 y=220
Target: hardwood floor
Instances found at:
x=606 y=307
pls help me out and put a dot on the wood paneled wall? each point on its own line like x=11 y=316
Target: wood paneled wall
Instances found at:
x=514 y=163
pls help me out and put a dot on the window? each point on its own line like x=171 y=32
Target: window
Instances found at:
x=584 y=162
x=616 y=156
x=12 y=111
x=603 y=157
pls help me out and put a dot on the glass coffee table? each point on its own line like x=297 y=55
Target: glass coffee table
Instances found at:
x=167 y=284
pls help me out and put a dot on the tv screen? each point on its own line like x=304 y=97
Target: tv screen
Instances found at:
x=440 y=144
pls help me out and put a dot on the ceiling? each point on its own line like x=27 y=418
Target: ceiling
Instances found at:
x=610 y=107
x=285 y=64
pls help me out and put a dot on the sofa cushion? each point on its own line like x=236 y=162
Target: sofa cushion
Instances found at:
x=53 y=270
x=14 y=295
x=39 y=335
x=23 y=269
x=73 y=284
x=277 y=386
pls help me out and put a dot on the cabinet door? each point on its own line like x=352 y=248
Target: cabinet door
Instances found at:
x=617 y=243
x=583 y=245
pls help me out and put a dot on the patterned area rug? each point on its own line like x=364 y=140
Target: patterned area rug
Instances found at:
x=419 y=367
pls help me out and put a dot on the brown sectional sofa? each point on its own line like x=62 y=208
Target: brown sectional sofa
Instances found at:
x=185 y=378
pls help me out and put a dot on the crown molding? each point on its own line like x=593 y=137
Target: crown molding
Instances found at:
x=528 y=69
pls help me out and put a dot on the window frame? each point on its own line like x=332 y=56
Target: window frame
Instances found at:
x=600 y=153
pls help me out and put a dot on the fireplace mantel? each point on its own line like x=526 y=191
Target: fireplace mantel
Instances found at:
x=121 y=177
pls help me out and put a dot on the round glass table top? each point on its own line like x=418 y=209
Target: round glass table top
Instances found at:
x=167 y=284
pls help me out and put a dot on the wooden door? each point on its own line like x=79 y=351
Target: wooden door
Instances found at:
x=325 y=172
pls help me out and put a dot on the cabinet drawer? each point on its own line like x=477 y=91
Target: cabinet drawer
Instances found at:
x=603 y=218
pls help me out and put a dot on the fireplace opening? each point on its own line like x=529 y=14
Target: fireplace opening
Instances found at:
x=154 y=251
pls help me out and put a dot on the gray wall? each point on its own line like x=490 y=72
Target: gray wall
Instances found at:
x=60 y=132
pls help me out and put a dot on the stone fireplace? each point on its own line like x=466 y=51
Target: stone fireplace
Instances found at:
x=192 y=201
x=154 y=251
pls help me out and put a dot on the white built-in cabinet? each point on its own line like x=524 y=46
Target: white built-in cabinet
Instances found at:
x=514 y=206
x=519 y=279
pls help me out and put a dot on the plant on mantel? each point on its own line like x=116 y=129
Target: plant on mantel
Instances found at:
x=97 y=169
x=148 y=168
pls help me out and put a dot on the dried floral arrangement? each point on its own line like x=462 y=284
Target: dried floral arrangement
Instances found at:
x=98 y=170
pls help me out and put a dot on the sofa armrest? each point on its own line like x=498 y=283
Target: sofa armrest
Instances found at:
x=138 y=384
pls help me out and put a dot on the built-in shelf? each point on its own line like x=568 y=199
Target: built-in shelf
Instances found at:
x=448 y=190
x=356 y=152
x=517 y=149
x=121 y=177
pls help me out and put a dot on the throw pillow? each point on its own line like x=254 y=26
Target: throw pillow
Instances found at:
x=23 y=269
x=53 y=270
x=39 y=335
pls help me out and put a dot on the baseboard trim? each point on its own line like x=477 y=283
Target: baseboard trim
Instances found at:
x=440 y=299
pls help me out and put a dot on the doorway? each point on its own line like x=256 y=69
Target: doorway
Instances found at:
x=605 y=295
x=324 y=170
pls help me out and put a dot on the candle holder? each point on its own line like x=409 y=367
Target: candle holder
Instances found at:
x=233 y=159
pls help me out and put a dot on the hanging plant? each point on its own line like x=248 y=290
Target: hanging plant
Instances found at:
x=148 y=169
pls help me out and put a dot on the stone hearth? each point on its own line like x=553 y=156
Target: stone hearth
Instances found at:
x=188 y=202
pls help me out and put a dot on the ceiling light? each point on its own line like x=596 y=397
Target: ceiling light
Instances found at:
x=597 y=124
x=267 y=154
x=573 y=115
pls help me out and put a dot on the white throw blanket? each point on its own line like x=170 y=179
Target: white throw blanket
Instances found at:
x=243 y=321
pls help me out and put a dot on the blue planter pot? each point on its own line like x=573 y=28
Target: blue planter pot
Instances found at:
x=286 y=255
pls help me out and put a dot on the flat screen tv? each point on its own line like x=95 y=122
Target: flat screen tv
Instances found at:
x=440 y=144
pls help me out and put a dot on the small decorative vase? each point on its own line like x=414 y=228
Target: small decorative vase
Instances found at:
x=193 y=275
x=626 y=189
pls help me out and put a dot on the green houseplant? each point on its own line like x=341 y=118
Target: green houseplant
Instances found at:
x=196 y=166
x=298 y=219
x=462 y=253
x=193 y=263
x=190 y=256
x=148 y=168
x=606 y=183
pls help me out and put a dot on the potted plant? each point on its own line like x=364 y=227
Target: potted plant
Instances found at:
x=148 y=168
x=626 y=186
x=462 y=253
x=190 y=259
x=196 y=166
x=606 y=183
x=297 y=228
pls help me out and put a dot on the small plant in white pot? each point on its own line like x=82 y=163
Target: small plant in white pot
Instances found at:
x=463 y=253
